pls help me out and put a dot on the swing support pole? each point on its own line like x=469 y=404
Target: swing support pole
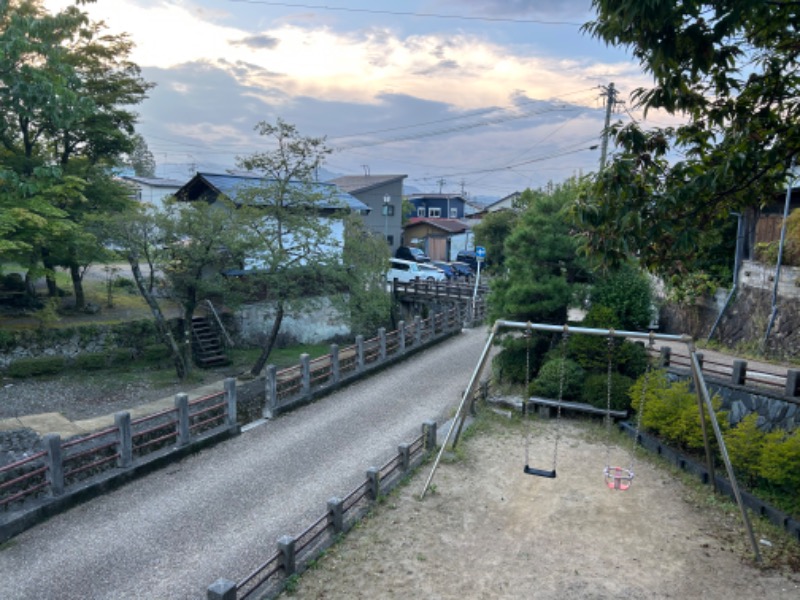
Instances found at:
x=461 y=412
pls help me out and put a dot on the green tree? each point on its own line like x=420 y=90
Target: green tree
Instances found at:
x=66 y=92
x=491 y=233
x=730 y=68
x=140 y=159
x=294 y=223
x=542 y=262
x=627 y=292
x=364 y=274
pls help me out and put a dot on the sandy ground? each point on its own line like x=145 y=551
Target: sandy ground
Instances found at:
x=489 y=531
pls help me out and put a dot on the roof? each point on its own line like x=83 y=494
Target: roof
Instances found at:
x=435 y=197
x=448 y=225
x=153 y=181
x=229 y=185
x=364 y=183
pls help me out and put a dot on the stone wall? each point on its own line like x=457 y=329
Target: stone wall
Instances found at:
x=309 y=322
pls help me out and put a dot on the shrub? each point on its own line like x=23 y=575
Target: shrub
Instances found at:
x=509 y=364
x=155 y=353
x=595 y=391
x=627 y=292
x=778 y=465
x=90 y=362
x=34 y=367
x=119 y=356
x=745 y=444
x=548 y=382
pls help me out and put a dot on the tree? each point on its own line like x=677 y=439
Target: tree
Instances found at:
x=491 y=233
x=293 y=222
x=140 y=158
x=730 y=68
x=66 y=92
x=365 y=259
x=542 y=262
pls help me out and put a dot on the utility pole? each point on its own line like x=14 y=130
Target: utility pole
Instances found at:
x=611 y=99
x=441 y=183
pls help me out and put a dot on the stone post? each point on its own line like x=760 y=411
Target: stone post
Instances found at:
x=359 y=353
x=286 y=548
x=739 y=372
x=122 y=420
x=182 y=410
x=271 y=392
x=230 y=400
x=793 y=383
x=405 y=455
x=429 y=431
x=700 y=358
x=221 y=589
x=401 y=337
x=336 y=512
x=305 y=374
x=382 y=343
x=54 y=463
x=374 y=478
x=665 y=354
x=335 y=372
x=417 y=330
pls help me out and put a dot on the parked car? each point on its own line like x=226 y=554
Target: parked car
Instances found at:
x=406 y=271
x=462 y=270
x=468 y=257
x=448 y=269
x=411 y=253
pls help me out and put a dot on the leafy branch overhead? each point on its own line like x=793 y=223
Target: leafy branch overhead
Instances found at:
x=729 y=70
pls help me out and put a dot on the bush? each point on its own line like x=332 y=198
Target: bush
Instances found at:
x=90 y=362
x=119 y=356
x=155 y=353
x=509 y=364
x=595 y=391
x=778 y=465
x=547 y=384
x=745 y=444
x=627 y=292
x=34 y=367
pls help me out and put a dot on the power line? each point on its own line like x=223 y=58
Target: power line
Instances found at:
x=410 y=14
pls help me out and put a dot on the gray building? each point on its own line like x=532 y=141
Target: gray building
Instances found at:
x=384 y=195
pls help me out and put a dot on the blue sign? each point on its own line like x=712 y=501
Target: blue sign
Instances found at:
x=480 y=252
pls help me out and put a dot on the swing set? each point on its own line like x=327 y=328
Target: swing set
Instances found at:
x=615 y=477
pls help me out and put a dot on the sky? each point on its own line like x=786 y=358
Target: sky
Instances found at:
x=480 y=97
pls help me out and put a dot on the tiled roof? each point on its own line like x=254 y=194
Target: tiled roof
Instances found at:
x=229 y=185
x=154 y=181
x=448 y=225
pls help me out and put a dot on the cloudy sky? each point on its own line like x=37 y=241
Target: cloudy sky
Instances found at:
x=482 y=96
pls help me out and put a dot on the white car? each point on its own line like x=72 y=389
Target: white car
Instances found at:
x=406 y=271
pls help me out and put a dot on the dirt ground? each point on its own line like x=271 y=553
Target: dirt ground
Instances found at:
x=486 y=531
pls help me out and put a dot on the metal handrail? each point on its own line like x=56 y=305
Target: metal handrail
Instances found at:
x=219 y=323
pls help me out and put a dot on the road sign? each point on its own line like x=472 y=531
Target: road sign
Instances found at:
x=480 y=252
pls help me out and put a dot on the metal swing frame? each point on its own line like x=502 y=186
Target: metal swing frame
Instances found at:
x=703 y=399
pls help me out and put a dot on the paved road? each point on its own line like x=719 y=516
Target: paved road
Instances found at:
x=220 y=513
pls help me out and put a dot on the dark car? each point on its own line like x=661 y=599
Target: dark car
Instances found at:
x=462 y=269
x=410 y=253
x=449 y=271
x=468 y=257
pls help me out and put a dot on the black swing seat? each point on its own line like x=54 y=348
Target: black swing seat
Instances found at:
x=540 y=472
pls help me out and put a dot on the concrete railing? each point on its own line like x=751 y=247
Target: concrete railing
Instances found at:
x=294 y=386
x=295 y=553
x=67 y=472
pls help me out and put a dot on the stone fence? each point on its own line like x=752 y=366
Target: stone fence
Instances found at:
x=775 y=398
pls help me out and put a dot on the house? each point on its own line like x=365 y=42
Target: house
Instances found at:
x=438 y=206
x=383 y=194
x=152 y=191
x=440 y=238
x=329 y=203
x=509 y=202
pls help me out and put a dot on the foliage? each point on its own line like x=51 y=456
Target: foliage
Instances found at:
x=745 y=444
x=35 y=367
x=140 y=158
x=596 y=389
x=671 y=410
x=90 y=362
x=365 y=257
x=687 y=289
x=510 y=363
x=778 y=465
x=730 y=69
x=492 y=232
x=542 y=265
x=628 y=293
x=559 y=378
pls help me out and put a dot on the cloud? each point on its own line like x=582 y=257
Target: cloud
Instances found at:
x=257 y=42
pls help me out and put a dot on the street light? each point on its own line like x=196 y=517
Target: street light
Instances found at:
x=386 y=203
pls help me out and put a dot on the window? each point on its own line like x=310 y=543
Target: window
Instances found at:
x=453 y=213
x=390 y=240
x=388 y=210
x=421 y=211
x=434 y=213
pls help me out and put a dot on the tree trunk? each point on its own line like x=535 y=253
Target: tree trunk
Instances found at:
x=50 y=278
x=161 y=322
x=77 y=287
x=270 y=343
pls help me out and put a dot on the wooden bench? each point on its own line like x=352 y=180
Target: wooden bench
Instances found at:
x=547 y=405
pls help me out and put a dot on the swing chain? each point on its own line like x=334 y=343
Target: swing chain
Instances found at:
x=561 y=378
x=608 y=419
x=640 y=411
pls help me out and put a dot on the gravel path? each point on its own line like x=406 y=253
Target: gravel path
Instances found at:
x=219 y=513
